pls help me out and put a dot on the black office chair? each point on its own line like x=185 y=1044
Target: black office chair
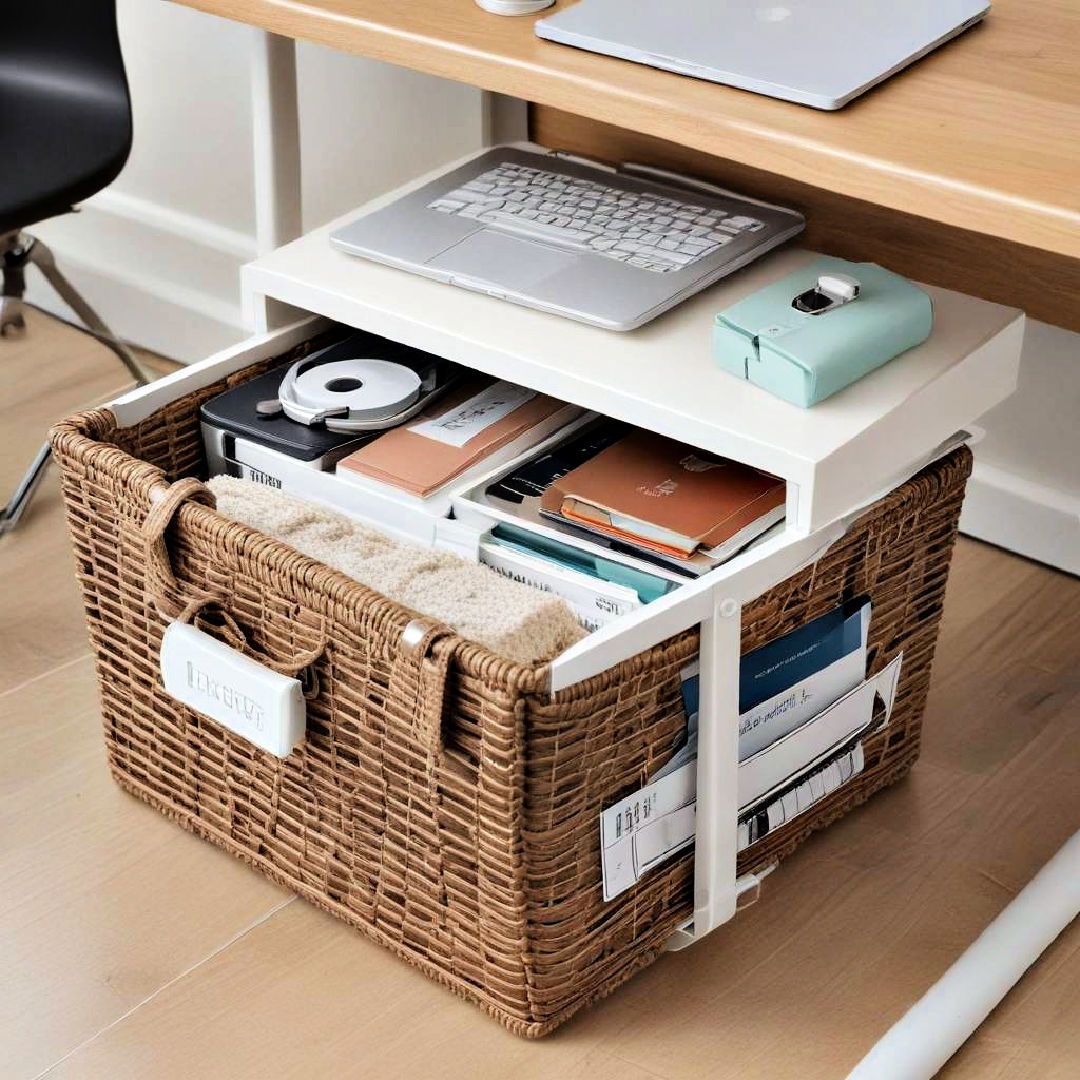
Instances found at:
x=65 y=133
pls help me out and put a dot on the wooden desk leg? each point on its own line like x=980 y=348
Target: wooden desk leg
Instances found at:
x=276 y=140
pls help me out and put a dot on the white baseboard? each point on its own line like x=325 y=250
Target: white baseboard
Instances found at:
x=167 y=219
x=1020 y=515
x=154 y=314
x=162 y=279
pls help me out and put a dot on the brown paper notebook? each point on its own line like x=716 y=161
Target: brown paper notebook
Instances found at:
x=667 y=497
x=470 y=424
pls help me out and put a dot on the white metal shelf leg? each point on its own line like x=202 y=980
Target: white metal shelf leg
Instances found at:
x=716 y=839
x=275 y=140
x=717 y=830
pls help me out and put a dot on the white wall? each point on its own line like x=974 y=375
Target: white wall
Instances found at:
x=1025 y=492
x=159 y=252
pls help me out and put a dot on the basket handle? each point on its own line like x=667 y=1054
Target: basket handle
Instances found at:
x=175 y=602
x=419 y=679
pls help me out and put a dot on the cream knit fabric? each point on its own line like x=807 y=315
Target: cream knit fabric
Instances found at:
x=513 y=620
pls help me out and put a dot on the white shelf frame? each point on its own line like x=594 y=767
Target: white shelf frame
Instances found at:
x=662 y=376
x=820 y=499
x=275 y=140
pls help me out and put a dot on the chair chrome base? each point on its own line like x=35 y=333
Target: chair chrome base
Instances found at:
x=16 y=251
x=10 y=514
x=12 y=322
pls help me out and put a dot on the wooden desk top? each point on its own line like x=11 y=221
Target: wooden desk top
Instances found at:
x=983 y=134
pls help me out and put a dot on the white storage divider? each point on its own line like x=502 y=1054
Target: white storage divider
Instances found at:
x=136 y=405
x=716 y=826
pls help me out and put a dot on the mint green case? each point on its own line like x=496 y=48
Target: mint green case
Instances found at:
x=805 y=358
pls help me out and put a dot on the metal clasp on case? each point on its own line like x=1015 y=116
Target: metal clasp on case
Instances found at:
x=831 y=291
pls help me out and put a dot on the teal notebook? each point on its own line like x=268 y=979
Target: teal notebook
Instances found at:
x=647 y=586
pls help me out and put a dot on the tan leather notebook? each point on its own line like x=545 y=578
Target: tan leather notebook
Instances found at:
x=470 y=423
x=667 y=497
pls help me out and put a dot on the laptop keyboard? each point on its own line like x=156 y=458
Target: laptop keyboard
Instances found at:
x=649 y=230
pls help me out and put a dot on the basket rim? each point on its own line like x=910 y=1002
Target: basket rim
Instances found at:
x=84 y=436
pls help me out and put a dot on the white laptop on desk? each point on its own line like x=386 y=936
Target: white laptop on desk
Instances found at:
x=815 y=52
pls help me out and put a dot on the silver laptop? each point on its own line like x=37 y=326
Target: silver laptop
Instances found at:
x=815 y=52
x=606 y=246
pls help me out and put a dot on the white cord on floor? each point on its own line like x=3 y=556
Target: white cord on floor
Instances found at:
x=936 y=1026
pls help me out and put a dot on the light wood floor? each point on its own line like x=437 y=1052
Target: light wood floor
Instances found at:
x=129 y=949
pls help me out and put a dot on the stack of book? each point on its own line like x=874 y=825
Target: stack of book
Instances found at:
x=612 y=517
x=664 y=497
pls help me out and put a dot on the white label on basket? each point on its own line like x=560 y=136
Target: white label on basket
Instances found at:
x=646 y=828
x=266 y=708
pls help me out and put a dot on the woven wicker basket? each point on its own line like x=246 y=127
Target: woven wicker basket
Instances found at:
x=443 y=802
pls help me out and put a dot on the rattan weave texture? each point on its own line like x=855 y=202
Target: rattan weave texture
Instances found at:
x=443 y=802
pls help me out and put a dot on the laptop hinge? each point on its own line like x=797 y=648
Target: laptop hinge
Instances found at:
x=584 y=159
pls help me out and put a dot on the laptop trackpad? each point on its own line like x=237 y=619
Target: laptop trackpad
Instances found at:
x=502 y=261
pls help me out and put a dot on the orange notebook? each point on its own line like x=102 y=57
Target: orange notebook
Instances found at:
x=664 y=496
x=469 y=424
